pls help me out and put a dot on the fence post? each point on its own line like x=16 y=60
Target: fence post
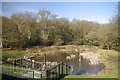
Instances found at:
x=70 y=69
x=21 y=61
x=31 y=63
x=62 y=68
x=47 y=74
x=33 y=75
x=13 y=70
x=66 y=69
x=15 y=62
x=53 y=75
x=59 y=70
x=41 y=75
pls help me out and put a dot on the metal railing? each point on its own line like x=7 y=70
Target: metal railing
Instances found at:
x=56 y=72
x=59 y=71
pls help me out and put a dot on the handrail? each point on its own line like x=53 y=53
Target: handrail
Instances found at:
x=58 y=65
x=60 y=70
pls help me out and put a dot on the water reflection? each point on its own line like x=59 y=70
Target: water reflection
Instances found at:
x=78 y=68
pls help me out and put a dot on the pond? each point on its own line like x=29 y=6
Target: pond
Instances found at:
x=78 y=68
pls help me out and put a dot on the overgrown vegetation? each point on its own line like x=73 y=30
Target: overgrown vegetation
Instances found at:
x=24 y=30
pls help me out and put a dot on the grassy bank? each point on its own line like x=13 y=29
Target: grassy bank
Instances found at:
x=12 y=54
x=110 y=59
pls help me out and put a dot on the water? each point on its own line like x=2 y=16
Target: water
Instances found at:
x=78 y=68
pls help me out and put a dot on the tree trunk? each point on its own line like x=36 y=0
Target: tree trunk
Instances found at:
x=19 y=37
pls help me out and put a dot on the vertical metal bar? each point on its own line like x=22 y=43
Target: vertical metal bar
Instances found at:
x=31 y=63
x=13 y=70
x=15 y=62
x=66 y=69
x=62 y=68
x=47 y=74
x=59 y=70
x=22 y=70
x=33 y=75
x=53 y=76
x=41 y=76
x=20 y=62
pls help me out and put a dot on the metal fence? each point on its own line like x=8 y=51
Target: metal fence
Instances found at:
x=59 y=71
x=27 y=63
x=56 y=72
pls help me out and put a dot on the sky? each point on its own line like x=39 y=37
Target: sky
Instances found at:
x=60 y=0
x=99 y=12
